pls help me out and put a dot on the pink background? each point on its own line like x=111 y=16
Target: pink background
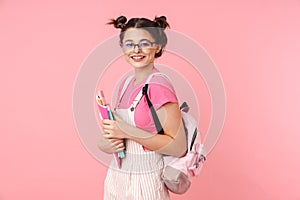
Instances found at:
x=255 y=45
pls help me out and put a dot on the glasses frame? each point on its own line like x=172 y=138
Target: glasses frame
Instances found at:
x=137 y=45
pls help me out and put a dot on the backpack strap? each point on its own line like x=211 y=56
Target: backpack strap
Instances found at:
x=184 y=107
x=157 y=123
x=144 y=91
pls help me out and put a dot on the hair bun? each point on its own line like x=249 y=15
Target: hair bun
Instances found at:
x=161 y=22
x=120 y=22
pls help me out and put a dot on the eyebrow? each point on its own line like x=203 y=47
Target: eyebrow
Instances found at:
x=139 y=41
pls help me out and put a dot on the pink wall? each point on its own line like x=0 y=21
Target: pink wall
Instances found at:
x=255 y=45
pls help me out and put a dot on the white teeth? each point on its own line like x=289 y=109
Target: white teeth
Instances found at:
x=137 y=57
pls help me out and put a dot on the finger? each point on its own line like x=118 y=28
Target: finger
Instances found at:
x=106 y=126
x=108 y=135
x=116 y=140
x=109 y=127
x=106 y=132
x=112 y=140
x=120 y=147
x=118 y=144
x=106 y=121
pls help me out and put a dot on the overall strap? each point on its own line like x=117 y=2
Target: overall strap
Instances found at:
x=126 y=83
x=140 y=94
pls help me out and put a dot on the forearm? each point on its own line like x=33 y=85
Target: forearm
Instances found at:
x=161 y=143
x=110 y=145
x=172 y=142
x=104 y=145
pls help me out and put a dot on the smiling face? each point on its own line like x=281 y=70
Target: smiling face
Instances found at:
x=139 y=48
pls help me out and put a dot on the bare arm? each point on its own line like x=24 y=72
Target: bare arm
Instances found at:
x=172 y=142
x=111 y=145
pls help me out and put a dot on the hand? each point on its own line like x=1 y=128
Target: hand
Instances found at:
x=117 y=144
x=112 y=128
x=111 y=145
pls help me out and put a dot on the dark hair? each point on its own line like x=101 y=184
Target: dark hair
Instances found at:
x=155 y=28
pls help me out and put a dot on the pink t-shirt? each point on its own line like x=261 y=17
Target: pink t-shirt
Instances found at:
x=160 y=92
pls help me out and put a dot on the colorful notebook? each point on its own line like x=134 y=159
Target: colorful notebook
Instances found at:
x=106 y=113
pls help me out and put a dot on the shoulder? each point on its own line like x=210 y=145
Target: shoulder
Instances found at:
x=161 y=82
x=123 y=83
x=161 y=91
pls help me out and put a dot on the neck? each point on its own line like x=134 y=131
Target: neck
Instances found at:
x=142 y=73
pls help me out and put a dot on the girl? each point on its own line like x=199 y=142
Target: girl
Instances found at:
x=142 y=40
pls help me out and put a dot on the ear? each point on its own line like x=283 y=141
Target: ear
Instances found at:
x=158 y=48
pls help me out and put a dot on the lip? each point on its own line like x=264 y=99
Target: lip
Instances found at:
x=137 y=57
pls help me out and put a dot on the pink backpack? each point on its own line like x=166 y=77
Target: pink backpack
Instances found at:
x=178 y=172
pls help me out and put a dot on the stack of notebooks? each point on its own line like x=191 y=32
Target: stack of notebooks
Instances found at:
x=106 y=113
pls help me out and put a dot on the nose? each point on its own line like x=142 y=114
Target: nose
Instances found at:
x=136 y=48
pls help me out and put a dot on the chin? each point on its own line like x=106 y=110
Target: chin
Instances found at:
x=138 y=65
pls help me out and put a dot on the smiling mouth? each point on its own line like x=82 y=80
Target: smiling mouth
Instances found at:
x=138 y=58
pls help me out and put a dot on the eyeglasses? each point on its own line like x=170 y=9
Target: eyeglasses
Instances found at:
x=143 y=45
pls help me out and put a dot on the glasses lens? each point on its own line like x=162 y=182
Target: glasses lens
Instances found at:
x=128 y=45
x=145 y=44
